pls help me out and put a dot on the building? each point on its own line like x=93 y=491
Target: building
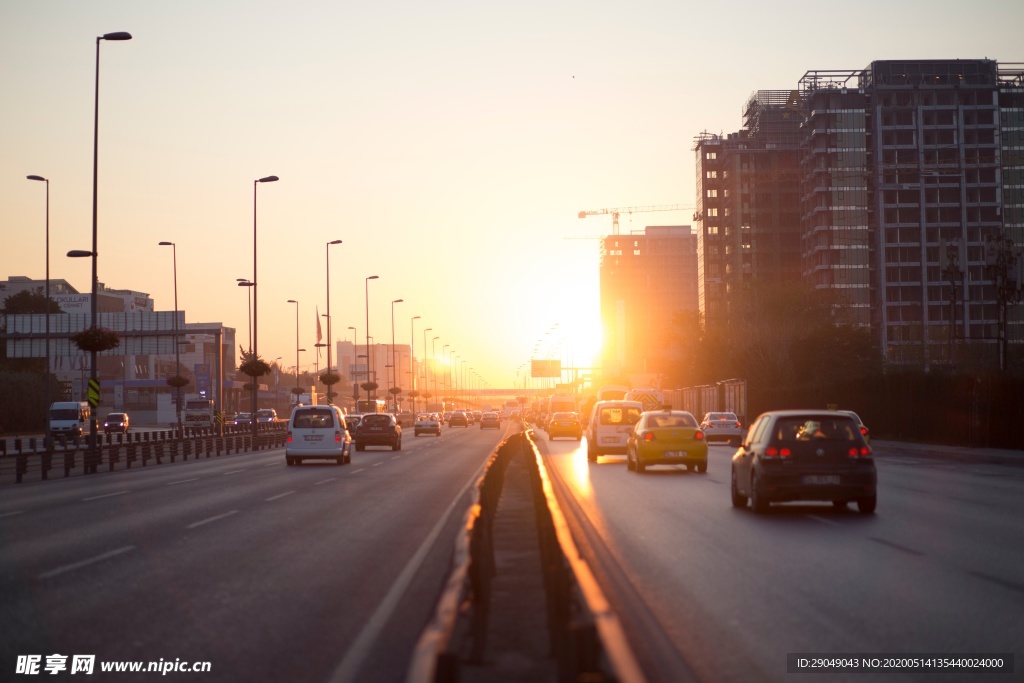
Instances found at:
x=647 y=280
x=913 y=202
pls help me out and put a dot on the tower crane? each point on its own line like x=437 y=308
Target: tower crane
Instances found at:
x=630 y=210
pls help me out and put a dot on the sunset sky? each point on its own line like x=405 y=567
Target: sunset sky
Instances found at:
x=450 y=145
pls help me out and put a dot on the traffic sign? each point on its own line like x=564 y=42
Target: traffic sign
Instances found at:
x=94 y=393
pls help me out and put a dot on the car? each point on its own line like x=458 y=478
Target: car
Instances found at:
x=266 y=416
x=865 y=432
x=609 y=427
x=722 y=427
x=379 y=429
x=804 y=455
x=317 y=432
x=116 y=422
x=243 y=419
x=427 y=424
x=353 y=421
x=565 y=424
x=458 y=419
x=667 y=437
x=490 y=420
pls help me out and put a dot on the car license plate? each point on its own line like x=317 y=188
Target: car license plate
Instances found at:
x=314 y=437
x=819 y=479
x=609 y=439
x=673 y=454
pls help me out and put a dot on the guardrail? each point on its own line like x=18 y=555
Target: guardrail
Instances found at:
x=27 y=458
x=586 y=639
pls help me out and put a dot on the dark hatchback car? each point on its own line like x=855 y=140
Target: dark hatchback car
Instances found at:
x=379 y=429
x=458 y=419
x=806 y=455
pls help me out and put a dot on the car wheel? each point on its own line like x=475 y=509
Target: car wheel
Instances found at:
x=738 y=501
x=640 y=466
x=866 y=506
x=840 y=504
x=339 y=460
x=757 y=501
x=288 y=461
x=591 y=453
x=702 y=467
x=629 y=463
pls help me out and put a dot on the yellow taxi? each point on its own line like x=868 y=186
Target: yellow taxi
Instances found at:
x=667 y=437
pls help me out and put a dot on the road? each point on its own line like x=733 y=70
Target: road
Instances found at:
x=712 y=593
x=267 y=572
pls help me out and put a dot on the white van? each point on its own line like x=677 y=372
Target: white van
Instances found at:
x=611 y=423
x=317 y=432
x=68 y=419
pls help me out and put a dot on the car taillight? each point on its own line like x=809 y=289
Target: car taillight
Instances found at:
x=648 y=437
x=739 y=425
x=337 y=436
x=289 y=437
x=861 y=452
x=698 y=435
x=774 y=452
x=864 y=430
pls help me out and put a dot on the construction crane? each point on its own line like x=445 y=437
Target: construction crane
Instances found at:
x=632 y=209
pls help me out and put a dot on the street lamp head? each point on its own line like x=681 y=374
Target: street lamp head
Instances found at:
x=415 y=317
x=246 y=283
x=37 y=177
x=166 y=244
x=268 y=179
x=372 y=277
x=334 y=242
x=116 y=35
x=351 y=328
x=292 y=301
x=79 y=253
x=397 y=301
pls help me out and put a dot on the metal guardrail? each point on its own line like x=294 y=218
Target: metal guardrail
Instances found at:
x=22 y=458
x=586 y=638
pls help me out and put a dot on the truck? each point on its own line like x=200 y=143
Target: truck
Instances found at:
x=197 y=412
x=68 y=419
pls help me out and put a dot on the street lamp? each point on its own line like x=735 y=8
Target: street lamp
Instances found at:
x=177 y=356
x=255 y=299
x=367 y=285
x=328 y=250
x=46 y=369
x=393 y=366
x=93 y=460
x=297 y=349
x=412 y=357
x=433 y=362
x=243 y=282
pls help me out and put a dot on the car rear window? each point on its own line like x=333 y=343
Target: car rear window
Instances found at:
x=681 y=420
x=721 y=416
x=310 y=418
x=564 y=416
x=816 y=428
x=619 y=416
x=376 y=420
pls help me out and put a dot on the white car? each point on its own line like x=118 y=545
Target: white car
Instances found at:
x=427 y=424
x=317 y=432
x=722 y=427
x=611 y=423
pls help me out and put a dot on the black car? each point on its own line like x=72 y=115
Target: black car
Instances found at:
x=812 y=455
x=458 y=419
x=379 y=429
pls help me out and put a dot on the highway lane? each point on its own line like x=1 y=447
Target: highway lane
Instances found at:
x=269 y=572
x=712 y=593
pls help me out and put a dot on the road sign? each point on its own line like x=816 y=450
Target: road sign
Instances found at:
x=94 y=393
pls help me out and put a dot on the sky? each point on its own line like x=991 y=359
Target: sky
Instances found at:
x=450 y=146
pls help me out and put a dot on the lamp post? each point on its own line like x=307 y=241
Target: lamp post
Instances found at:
x=394 y=373
x=328 y=249
x=412 y=358
x=93 y=460
x=355 y=350
x=433 y=362
x=177 y=355
x=46 y=368
x=244 y=282
x=367 y=286
x=255 y=299
x=293 y=301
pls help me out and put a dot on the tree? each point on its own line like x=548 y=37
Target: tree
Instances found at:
x=28 y=301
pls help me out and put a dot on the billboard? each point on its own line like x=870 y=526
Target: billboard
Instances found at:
x=545 y=368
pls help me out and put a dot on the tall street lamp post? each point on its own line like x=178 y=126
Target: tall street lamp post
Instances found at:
x=367 y=286
x=177 y=356
x=255 y=299
x=355 y=350
x=412 y=358
x=328 y=249
x=243 y=282
x=293 y=301
x=394 y=373
x=46 y=368
x=433 y=363
x=93 y=458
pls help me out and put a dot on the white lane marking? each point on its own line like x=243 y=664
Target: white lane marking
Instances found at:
x=377 y=464
x=816 y=518
x=12 y=513
x=181 y=481
x=84 y=563
x=396 y=457
x=235 y=471
x=324 y=481
x=105 y=495
x=273 y=464
x=348 y=667
x=201 y=522
x=280 y=495
x=359 y=470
